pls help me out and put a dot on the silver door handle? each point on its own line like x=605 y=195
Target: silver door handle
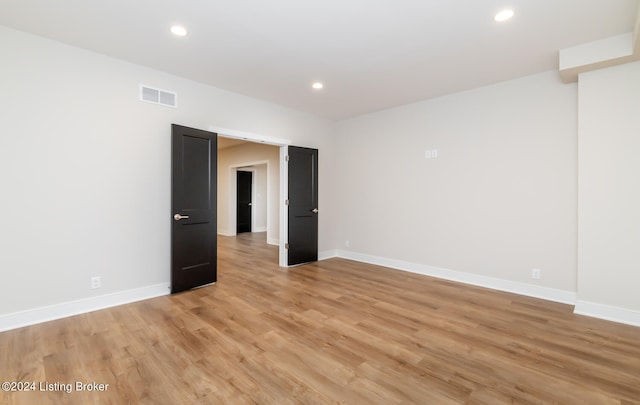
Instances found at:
x=249 y=203
x=178 y=217
x=315 y=210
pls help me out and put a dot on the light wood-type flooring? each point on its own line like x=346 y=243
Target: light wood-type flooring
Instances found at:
x=335 y=331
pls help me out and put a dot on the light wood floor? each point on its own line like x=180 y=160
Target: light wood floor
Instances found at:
x=331 y=332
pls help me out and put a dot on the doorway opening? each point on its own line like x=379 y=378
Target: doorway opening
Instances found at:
x=251 y=207
x=276 y=179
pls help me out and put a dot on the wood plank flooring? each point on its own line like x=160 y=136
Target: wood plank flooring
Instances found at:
x=335 y=331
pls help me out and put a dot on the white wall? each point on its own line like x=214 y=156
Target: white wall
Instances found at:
x=85 y=168
x=498 y=201
x=260 y=198
x=228 y=160
x=85 y=175
x=609 y=192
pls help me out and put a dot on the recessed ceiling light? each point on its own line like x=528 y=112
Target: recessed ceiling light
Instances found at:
x=179 y=30
x=317 y=85
x=504 y=15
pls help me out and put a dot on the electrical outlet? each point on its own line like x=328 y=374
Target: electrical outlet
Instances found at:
x=95 y=282
x=431 y=154
x=536 y=274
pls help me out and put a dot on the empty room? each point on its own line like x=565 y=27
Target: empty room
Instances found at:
x=319 y=202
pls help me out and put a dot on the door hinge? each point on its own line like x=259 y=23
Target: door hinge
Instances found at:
x=286 y=246
x=286 y=158
x=286 y=202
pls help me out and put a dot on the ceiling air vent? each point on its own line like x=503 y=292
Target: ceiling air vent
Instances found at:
x=157 y=96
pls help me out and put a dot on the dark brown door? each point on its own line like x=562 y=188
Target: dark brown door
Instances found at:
x=303 y=205
x=193 y=208
x=243 y=201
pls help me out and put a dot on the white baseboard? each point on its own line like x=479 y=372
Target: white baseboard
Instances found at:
x=225 y=232
x=610 y=313
x=273 y=241
x=259 y=229
x=57 y=311
x=65 y=309
x=545 y=293
x=327 y=254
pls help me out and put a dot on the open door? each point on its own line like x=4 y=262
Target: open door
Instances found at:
x=303 y=205
x=194 y=169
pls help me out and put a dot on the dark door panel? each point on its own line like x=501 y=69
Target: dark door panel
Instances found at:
x=243 y=200
x=303 y=205
x=193 y=208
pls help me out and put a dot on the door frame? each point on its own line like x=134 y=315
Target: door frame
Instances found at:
x=284 y=179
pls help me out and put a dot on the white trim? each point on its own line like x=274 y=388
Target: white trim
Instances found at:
x=545 y=293
x=327 y=254
x=600 y=311
x=273 y=241
x=233 y=195
x=260 y=229
x=225 y=232
x=284 y=210
x=65 y=309
x=247 y=136
x=607 y=312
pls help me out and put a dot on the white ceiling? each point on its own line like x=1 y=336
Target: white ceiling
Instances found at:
x=226 y=143
x=370 y=54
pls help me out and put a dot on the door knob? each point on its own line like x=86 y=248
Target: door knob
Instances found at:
x=249 y=203
x=178 y=217
x=315 y=210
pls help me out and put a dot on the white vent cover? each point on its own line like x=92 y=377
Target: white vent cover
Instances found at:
x=157 y=96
